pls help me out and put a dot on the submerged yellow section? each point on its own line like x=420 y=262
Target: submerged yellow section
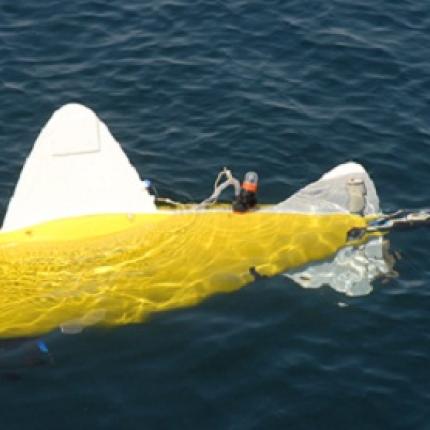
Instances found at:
x=118 y=269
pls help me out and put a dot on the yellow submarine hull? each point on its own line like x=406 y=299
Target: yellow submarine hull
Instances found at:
x=118 y=269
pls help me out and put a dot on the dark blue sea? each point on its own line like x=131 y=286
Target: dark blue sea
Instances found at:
x=289 y=89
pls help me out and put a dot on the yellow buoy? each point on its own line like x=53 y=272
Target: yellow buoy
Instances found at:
x=118 y=269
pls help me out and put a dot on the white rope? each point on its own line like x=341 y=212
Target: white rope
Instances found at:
x=219 y=188
x=168 y=201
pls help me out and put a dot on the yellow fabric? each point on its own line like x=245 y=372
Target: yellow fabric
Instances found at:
x=116 y=269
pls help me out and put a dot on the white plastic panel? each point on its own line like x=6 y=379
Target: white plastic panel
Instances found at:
x=76 y=168
x=78 y=134
x=330 y=193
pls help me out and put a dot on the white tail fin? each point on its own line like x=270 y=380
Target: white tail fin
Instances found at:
x=76 y=168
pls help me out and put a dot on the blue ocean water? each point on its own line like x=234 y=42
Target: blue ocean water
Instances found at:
x=290 y=89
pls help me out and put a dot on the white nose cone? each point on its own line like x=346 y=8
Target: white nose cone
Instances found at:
x=76 y=168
